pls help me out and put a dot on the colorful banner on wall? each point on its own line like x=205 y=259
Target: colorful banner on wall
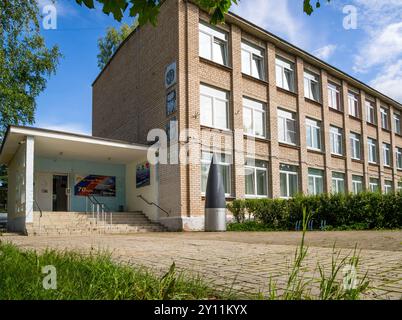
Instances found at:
x=143 y=175
x=104 y=186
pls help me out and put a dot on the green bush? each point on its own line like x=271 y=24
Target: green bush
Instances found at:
x=340 y=211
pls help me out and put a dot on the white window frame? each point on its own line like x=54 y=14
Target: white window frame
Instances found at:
x=370 y=112
x=356 y=182
x=397 y=123
x=399 y=186
x=255 y=53
x=220 y=163
x=372 y=150
x=281 y=66
x=215 y=36
x=384 y=118
x=337 y=181
x=334 y=96
x=255 y=107
x=309 y=78
x=353 y=103
x=374 y=184
x=316 y=179
x=285 y=116
x=386 y=153
x=355 y=145
x=212 y=93
x=313 y=126
x=255 y=169
x=388 y=187
x=289 y=173
x=336 y=132
x=398 y=158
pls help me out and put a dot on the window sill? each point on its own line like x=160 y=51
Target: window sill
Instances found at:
x=313 y=101
x=335 y=110
x=316 y=151
x=399 y=169
x=371 y=124
x=292 y=93
x=386 y=130
x=387 y=167
x=227 y=197
x=354 y=118
x=357 y=161
x=218 y=130
x=374 y=164
x=249 y=196
x=256 y=138
x=287 y=145
x=338 y=156
x=261 y=81
x=216 y=64
x=398 y=134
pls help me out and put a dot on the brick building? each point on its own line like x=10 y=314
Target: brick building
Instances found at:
x=316 y=129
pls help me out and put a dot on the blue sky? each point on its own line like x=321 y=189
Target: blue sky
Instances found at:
x=372 y=52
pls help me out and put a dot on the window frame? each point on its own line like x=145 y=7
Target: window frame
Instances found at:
x=398 y=159
x=334 y=89
x=374 y=184
x=282 y=114
x=372 y=143
x=255 y=169
x=356 y=182
x=283 y=64
x=308 y=78
x=388 y=186
x=249 y=104
x=384 y=118
x=340 y=136
x=215 y=35
x=354 y=109
x=337 y=180
x=397 y=123
x=220 y=163
x=214 y=99
x=315 y=177
x=386 y=154
x=370 y=106
x=314 y=125
x=253 y=51
x=355 y=140
x=288 y=173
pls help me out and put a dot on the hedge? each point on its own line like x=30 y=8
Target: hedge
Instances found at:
x=362 y=211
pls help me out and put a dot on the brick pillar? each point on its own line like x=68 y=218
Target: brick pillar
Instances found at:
x=237 y=113
x=326 y=132
x=346 y=133
x=272 y=113
x=301 y=120
x=393 y=152
x=364 y=141
x=379 y=141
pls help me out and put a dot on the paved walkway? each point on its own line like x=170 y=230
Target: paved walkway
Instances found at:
x=245 y=261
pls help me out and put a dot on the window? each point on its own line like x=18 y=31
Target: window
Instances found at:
x=357 y=184
x=336 y=137
x=353 y=103
x=286 y=127
x=285 y=74
x=256 y=178
x=288 y=180
x=254 y=118
x=315 y=181
x=388 y=186
x=372 y=150
x=384 y=118
x=374 y=185
x=399 y=186
x=386 y=151
x=313 y=134
x=334 y=97
x=338 y=182
x=399 y=158
x=213 y=44
x=252 y=59
x=214 y=107
x=397 y=123
x=224 y=162
x=312 y=86
x=355 y=146
x=370 y=112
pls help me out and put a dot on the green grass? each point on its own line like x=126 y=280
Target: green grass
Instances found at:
x=91 y=277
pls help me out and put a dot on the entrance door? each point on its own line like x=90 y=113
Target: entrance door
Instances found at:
x=60 y=198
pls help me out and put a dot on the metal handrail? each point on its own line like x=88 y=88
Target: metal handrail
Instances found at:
x=37 y=204
x=102 y=207
x=153 y=204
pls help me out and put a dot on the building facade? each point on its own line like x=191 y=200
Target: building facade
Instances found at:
x=314 y=128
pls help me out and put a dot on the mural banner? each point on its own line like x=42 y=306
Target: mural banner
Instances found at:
x=104 y=186
x=143 y=175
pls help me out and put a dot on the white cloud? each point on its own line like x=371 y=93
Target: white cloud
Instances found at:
x=325 y=52
x=274 y=16
x=73 y=127
x=63 y=8
x=389 y=80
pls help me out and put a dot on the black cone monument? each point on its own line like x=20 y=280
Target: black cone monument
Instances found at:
x=215 y=204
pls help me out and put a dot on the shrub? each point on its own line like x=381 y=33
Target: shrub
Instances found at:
x=340 y=211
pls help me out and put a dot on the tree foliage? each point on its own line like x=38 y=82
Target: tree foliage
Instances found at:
x=25 y=61
x=108 y=44
x=148 y=10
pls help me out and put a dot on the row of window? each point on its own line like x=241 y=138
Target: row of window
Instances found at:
x=256 y=178
x=214 y=113
x=213 y=44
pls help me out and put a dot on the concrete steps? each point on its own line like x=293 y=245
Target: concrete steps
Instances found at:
x=76 y=223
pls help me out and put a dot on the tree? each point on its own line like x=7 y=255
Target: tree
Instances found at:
x=148 y=10
x=25 y=61
x=108 y=44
